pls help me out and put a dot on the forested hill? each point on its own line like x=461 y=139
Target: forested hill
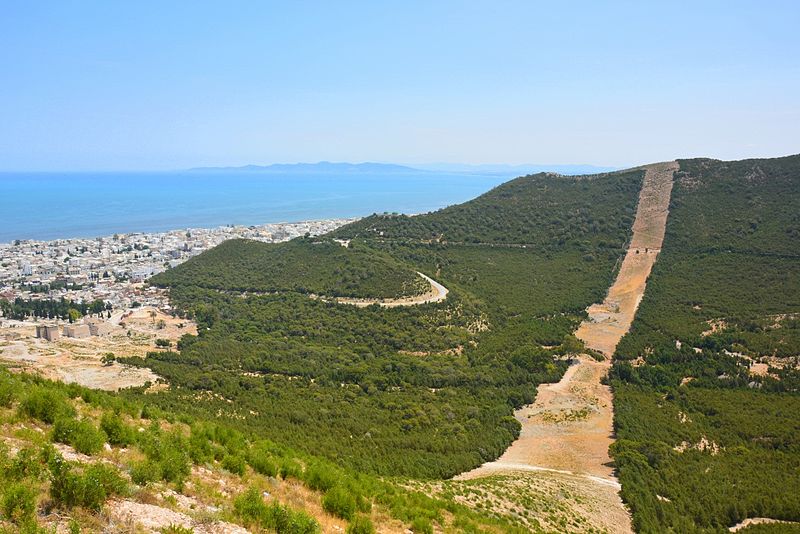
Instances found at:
x=545 y=211
x=707 y=382
x=423 y=391
x=306 y=265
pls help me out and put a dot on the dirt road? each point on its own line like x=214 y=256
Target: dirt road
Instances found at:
x=569 y=428
x=609 y=320
x=437 y=293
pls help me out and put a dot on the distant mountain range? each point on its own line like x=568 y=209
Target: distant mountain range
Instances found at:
x=327 y=167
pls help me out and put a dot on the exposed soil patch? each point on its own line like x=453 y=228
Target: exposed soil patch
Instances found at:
x=543 y=500
x=610 y=320
x=567 y=431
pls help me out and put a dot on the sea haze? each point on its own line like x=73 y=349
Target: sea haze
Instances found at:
x=60 y=205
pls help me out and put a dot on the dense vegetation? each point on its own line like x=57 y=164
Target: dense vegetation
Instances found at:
x=21 y=309
x=543 y=211
x=307 y=265
x=423 y=391
x=704 y=440
x=153 y=452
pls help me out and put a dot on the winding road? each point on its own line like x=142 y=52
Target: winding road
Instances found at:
x=436 y=293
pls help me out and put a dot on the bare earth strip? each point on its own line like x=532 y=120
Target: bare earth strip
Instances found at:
x=436 y=293
x=611 y=319
x=569 y=428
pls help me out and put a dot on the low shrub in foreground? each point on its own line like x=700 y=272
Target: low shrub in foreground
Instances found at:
x=361 y=525
x=339 y=502
x=88 y=488
x=251 y=508
x=82 y=435
x=19 y=502
x=46 y=405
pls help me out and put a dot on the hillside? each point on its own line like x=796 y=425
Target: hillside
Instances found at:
x=423 y=391
x=542 y=211
x=706 y=382
x=307 y=265
x=78 y=460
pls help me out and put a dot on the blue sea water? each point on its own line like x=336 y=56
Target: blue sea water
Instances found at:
x=59 y=205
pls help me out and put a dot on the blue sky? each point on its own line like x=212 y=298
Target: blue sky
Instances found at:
x=167 y=85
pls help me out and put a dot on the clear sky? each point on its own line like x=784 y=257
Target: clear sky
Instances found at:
x=170 y=84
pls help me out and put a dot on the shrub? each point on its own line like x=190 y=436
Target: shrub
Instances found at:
x=142 y=473
x=26 y=464
x=8 y=392
x=286 y=521
x=422 y=526
x=234 y=464
x=89 y=489
x=175 y=466
x=262 y=462
x=361 y=524
x=170 y=451
x=320 y=477
x=339 y=502
x=80 y=434
x=176 y=529
x=46 y=405
x=290 y=468
x=201 y=449
x=118 y=432
x=251 y=508
x=19 y=502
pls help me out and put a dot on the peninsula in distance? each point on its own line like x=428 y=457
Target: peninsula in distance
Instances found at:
x=415 y=331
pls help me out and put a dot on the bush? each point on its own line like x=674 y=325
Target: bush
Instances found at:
x=361 y=524
x=142 y=473
x=118 y=432
x=201 y=449
x=339 y=502
x=8 y=392
x=421 y=526
x=80 y=434
x=89 y=488
x=46 y=405
x=290 y=468
x=251 y=508
x=320 y=477
x=26 y=464
x=234 y=464
x=262 y=462
x=286 y=521
x=19 y=502
x=175 y=466
x=170 y=451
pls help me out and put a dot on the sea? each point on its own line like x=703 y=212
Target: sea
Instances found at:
x=45 y=206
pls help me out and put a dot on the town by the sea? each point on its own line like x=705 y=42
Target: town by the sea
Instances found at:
x=46 y=206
